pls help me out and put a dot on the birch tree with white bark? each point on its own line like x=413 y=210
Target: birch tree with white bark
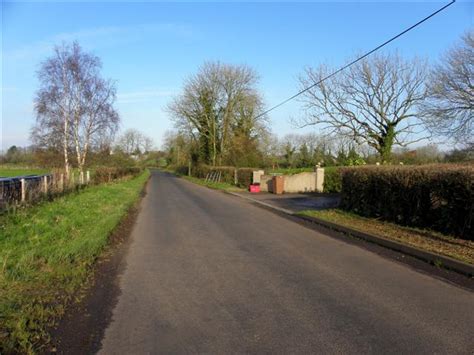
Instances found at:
x=74 y=104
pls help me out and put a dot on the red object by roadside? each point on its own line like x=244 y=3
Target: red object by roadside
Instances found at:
x=254 y=188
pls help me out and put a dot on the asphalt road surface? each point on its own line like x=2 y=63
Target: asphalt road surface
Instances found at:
x=211 y=273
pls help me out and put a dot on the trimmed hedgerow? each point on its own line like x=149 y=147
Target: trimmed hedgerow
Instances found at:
x=439 y=197
x=332 y=179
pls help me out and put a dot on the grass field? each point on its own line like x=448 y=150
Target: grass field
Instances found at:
x=15 y=171
x=46 y=255
x=424 y=239
x=289 y=171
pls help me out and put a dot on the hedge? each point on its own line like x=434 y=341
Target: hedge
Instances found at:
x=180 y=169
x=108 y=174
x=439 y=197
x=332 y=179
x=244 y=176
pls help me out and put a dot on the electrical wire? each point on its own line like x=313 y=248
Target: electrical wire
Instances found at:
x=356 y=60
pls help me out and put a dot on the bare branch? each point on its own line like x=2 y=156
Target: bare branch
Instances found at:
x=449 y=110
x=372 y=102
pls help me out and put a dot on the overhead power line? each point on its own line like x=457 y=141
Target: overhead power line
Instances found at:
x=356 y=60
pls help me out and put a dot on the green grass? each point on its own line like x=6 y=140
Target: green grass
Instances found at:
x=423 y=239
x=18 y=171
x=47 y=253
x=289 y=171
x=213 y=185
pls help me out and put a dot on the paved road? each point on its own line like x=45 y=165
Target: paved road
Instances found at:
x=210 y=273
x=296 y=202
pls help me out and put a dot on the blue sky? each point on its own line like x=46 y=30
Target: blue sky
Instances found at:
x=149 y=48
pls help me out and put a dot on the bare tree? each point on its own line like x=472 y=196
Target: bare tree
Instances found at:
x=74 y=105
x=449 y=109
x=133 y=141
x=217 y=103
x=372 y=102
x=54 y=103
x=99 y=120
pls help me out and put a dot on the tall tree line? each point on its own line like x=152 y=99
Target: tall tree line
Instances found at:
x=217 y=110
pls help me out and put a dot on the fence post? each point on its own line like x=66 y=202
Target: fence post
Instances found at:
x=45 y=184
x=236 y=179
x=23 y=190
x=88 y=177
x=61 y=182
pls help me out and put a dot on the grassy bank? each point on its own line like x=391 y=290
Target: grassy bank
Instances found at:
x=423 y=239
x=46 y=255
x=212 y=185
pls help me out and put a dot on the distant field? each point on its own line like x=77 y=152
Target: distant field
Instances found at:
x=10 y=172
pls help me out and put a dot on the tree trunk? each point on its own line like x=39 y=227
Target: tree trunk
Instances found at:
x=385 y=144
x=78 y=148
x=214 y=143
x=84 y=154
x=65 y=147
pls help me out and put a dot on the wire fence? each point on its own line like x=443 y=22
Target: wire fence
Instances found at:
x=23 y=190
x=26 y=190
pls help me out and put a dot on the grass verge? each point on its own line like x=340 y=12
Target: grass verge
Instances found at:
x=213 y=185
x=47 y=253
x=435 y=242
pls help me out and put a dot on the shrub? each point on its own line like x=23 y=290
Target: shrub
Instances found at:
x=180 y=169
x=440 y=197
x=244 y=176
x=332 y=179
x=107 y=174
